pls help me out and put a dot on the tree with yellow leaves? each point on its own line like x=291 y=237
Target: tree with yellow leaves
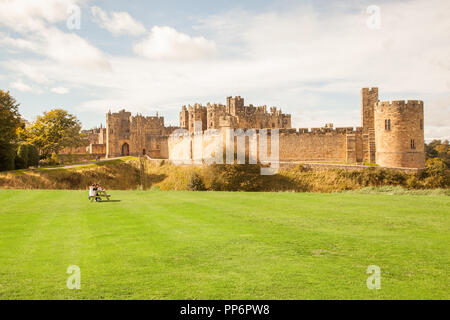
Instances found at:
x=55 y=130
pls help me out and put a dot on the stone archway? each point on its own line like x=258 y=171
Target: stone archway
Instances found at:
x=125 y=149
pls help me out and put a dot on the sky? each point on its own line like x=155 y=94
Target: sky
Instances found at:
x=310 y=58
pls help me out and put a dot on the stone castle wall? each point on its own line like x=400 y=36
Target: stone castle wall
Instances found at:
x=313 y=146
x=340 y=145
x=136 y=135
x=233 y=115
x=400 y=146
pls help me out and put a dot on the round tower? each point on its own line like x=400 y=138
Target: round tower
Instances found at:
x=399 y=134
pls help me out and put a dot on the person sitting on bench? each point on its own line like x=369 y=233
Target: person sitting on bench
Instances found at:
x=92 y=191
x=99 y=192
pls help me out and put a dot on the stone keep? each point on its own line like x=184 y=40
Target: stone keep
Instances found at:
x=399 y=134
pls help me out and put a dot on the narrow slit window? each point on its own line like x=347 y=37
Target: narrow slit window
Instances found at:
x=387 y=124
x=421 y=124
x=413 y=144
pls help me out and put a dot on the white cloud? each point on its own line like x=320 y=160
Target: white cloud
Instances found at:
x=27 y=16
x=23 y=87
x=168 y=43
x=294 y=58
x=60 y=90
x=31 y=20
x=20 y=44
x=117 y=22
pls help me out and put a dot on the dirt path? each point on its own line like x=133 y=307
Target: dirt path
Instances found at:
x=78 y=164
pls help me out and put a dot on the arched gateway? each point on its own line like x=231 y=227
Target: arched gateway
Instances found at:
x=125 y=149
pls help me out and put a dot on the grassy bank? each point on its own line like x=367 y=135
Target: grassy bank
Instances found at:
x=215 y=245
x=132 y=173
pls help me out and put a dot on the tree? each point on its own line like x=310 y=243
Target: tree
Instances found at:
x=55 y=130
x=9 y=122
x=196 y=183
x=438 y=149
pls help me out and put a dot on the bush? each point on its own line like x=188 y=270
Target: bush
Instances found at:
x=196 y=183
x=22 y=156
x=27 y=156
x=436 y=174
x=435 y=167
x=235 y=177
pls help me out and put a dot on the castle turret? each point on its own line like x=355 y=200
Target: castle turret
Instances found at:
x=399 y=134
x=184 y=118
x=369 y=97
x=235 y=105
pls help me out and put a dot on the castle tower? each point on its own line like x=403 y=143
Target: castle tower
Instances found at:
x=399 y=134
x=184 y=118
x=235 y=105
x=118 y=134
x=369 y=97
x=197 y=113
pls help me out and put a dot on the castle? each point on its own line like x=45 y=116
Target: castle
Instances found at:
x=391 y=133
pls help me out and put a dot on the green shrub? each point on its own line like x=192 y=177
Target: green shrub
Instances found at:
x=21 y=160
x=196 y=183
x=437 y=174
x=27 y=156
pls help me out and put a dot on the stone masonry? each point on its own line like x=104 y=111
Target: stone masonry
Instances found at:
x=391 y=135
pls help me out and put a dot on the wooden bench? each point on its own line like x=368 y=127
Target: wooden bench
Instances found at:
x=103 y=194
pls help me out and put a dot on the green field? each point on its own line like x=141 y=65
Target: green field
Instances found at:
x=213 y=245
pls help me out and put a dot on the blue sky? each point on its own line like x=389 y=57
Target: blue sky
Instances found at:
x=311 y=58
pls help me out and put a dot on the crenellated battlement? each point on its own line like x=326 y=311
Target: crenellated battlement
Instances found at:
x=391 y=132
x=320 y=131
x=196 y=107
x=370 y=90
x=407 y=105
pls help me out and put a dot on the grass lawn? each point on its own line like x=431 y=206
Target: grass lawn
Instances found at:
x=205 y=245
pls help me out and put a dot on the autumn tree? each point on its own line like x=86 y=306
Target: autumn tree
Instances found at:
x=54 y=131
x=438 y=149
x=9 y=122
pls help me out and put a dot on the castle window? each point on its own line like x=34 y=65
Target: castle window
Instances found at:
x=413 y=144
x=421 y=124
x=387 y=124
